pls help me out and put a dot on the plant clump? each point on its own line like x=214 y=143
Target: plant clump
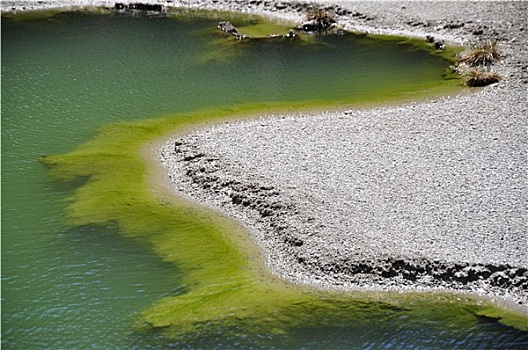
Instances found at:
x=481 y=54
x=475 y=64
x=475 y=77
x=318 y=20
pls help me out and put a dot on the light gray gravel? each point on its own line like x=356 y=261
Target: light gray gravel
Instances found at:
x=407 y=196
x=425 y=195
x=422 y=196
x=405 y=180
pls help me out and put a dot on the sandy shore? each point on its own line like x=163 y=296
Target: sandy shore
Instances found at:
x=423 y=196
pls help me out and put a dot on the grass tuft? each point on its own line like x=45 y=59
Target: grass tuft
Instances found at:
x=475 y=77
x=319 y=14
x=320 y=19
x=475 y=64
x=482 y=54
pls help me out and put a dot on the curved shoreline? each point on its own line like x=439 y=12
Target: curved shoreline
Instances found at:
x=309 y=240
x=321 y=267
x=465 y=233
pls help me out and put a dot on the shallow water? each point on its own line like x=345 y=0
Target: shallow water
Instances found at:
x=62 y=77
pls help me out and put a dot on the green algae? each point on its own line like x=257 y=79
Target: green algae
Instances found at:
x=29 y=15
x=50 y=14
x=226 y=282
x=508 y=318
x=252 y=25
x=449 y=53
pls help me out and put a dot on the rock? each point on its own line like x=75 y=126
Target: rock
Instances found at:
x=146 y=7
x=228 y=27
x=453 y=25
x=291 y=34
x=139 y=6
x=310 y=26
x=281 y=6
x=440 y=45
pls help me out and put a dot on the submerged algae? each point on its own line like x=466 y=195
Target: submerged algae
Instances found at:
x=226 y=282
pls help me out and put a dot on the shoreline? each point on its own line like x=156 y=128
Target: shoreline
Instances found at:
x=291 y=213
x=305 y=241
x=301 y=254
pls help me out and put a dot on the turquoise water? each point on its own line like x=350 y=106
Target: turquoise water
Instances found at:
x=62 y=77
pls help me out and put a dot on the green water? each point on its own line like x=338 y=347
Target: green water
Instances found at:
x=68 y=287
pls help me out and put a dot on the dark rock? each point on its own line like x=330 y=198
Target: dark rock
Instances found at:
x=192 y=156
x=138 y=6
x=146 y=7
x=500 y=279
x=440 y=45
x=342 y=12
x=310 y=26
x=418 y=23
x=293 y=241
x=236 y=199
x=291 y=34
x=409 y=275
x=453 y=25
x=359 y=15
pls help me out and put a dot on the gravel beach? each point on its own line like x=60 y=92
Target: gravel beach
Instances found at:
x=427 y=195
x=423 y=196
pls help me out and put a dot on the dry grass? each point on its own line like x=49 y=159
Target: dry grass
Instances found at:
x=481 y=54
x=320 y=14
x=322 y=18
x=475 y=63
x=480 y=77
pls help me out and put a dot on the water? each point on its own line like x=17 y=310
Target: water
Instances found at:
x=62 y=77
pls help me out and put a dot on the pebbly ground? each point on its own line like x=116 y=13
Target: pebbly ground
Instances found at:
x=397 y=197
x=422 y=196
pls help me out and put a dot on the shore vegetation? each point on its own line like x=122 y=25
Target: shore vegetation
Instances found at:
x=476 y=63
x=476 y=77
x=320 y=19
x=481 y=54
